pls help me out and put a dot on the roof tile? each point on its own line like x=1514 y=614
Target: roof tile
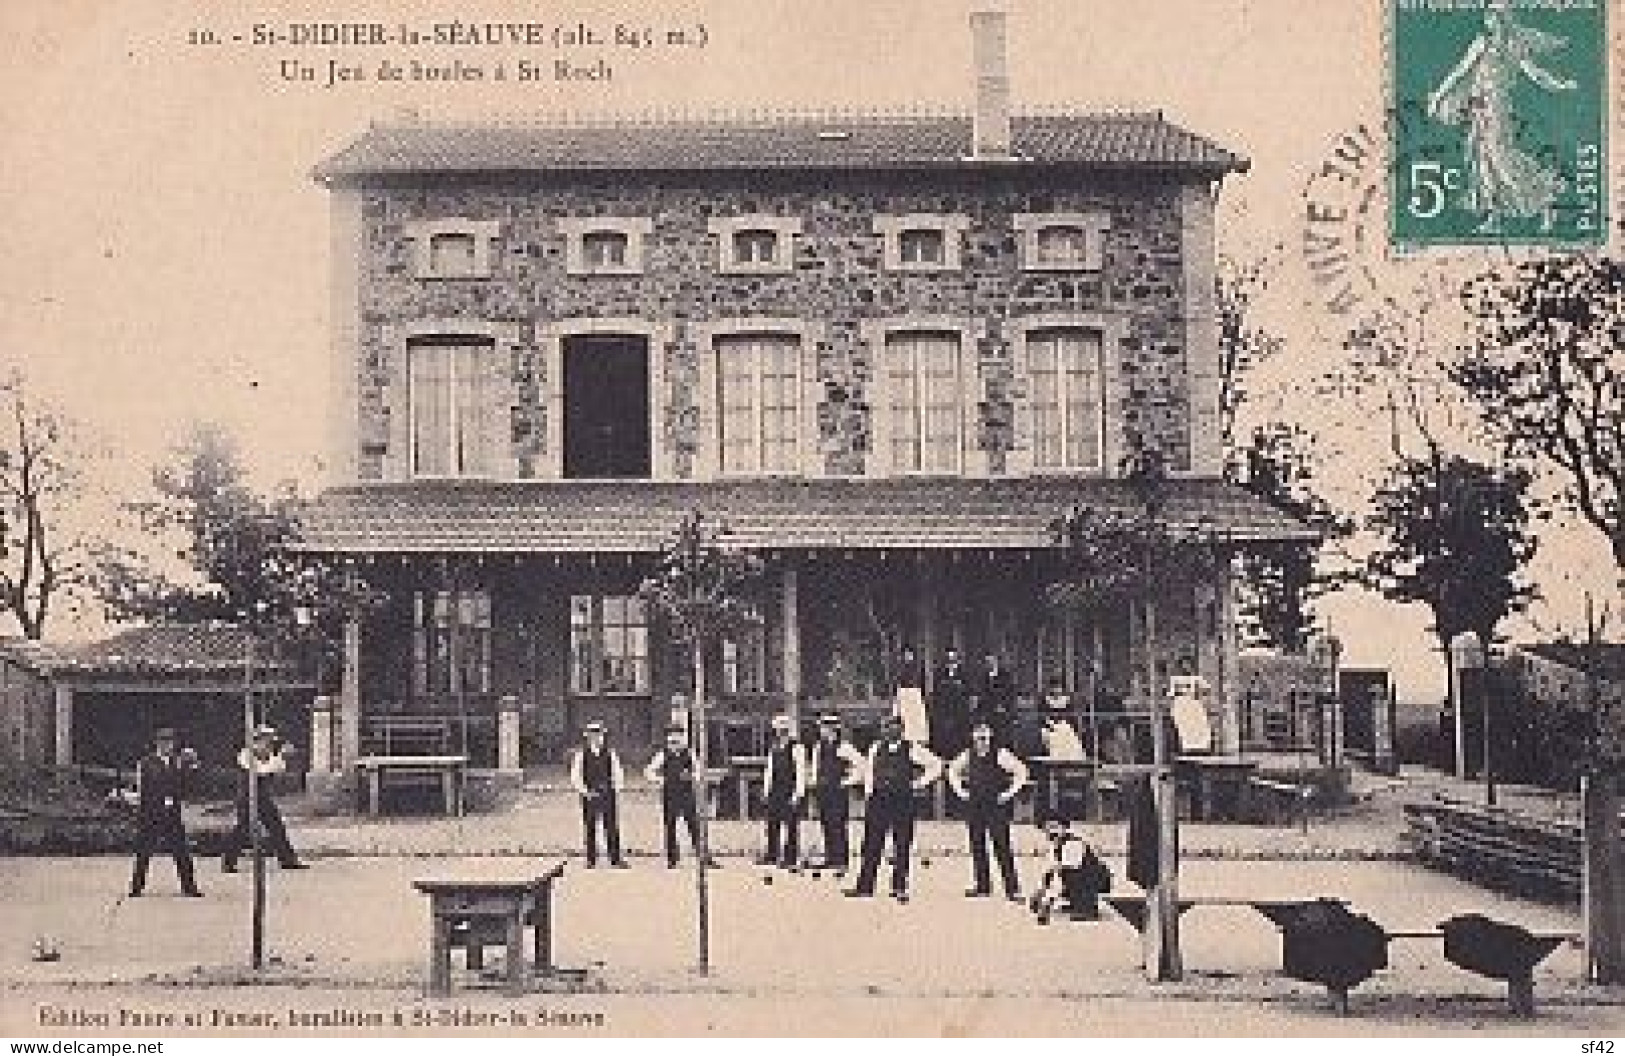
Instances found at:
x=1137 y=141
x=637 y=517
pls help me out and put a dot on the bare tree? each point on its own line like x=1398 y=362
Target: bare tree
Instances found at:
x=43 y=557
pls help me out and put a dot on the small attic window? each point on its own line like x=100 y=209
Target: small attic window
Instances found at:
x=1061 y=241
x=921 y=241
x=755 y=244
x=452 y=248
x=604 y=245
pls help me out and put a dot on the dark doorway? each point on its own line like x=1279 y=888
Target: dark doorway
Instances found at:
x=606 y=406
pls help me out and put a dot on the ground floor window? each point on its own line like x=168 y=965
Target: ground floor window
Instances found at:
x=609 y=644
x=451 y=642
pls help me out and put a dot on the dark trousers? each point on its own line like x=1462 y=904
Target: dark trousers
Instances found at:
x=276 y=833
x=783 y=831
x=833 y=811
x=162 y=831
x=600 y=812
x=990 y=824
x=887 y=816
x=677 y=804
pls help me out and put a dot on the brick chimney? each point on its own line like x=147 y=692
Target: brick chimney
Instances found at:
x=990 y=122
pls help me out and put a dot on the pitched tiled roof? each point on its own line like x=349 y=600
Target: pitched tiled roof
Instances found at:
x=630 y=517
x=36 y=657
x=170 y=649
x=1117 y=141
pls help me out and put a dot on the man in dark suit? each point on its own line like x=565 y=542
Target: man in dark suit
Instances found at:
x=162 y=778
x=951 y=692
x=995 y=699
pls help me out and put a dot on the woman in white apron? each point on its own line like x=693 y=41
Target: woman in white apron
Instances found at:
x=910 y=703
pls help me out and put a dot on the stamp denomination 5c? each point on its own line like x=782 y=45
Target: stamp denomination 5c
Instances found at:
x=1508 y=105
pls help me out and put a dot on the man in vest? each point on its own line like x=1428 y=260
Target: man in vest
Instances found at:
x=785 y=788
x=672 y=768
x=596 y=774
x=833 y=767
x=261 y=762
x=896 y=770
x=161 y=778
x=988 y=779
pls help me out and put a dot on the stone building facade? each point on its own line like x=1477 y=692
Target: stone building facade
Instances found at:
x=887 y=350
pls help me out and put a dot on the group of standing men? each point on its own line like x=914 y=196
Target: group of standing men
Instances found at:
x=892 y=776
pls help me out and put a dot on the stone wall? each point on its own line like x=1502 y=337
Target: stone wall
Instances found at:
x=838 y=281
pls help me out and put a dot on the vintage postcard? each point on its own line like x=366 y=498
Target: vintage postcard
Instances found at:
x=877 y=517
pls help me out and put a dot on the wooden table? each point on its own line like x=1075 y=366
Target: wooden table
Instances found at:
x=1050 y=772
x=1218 y=780
x=488 y=910
x=449 y=770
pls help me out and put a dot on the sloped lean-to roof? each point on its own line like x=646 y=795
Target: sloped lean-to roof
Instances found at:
x=586 y=517
x=834 y=141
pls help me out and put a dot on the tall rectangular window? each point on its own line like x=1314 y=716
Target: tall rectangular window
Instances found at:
x=451 y=428
x=451 y=642
x=609 y=644
x=1068 y=397
x=759 y=403
x=925 y=397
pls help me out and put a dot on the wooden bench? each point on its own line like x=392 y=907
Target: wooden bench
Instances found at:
x=389 y=735
x=478 y=911
x=449 y=772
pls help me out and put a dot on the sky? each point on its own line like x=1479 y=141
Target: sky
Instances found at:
x=165 y=249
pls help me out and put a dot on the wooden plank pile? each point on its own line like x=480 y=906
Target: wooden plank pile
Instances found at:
x=1537 y=857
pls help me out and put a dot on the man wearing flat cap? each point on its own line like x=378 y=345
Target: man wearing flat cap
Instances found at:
x=261 y=762
x=597 y=776
x=784 y=789
x=162 y=777
x=833 y=767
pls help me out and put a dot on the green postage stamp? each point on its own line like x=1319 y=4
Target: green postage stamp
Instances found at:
x=1499 y=119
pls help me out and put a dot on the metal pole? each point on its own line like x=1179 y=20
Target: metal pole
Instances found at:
x=1485 y=693
x=1298 y=723
x=257 y=850
x=702 y=806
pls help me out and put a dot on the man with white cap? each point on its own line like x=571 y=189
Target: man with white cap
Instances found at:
x=833 y=767
x=597 y=776
x=784 y=788
x=263 y=759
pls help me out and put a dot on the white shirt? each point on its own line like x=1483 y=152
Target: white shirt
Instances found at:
x=1061 y=740
x=249 y=760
